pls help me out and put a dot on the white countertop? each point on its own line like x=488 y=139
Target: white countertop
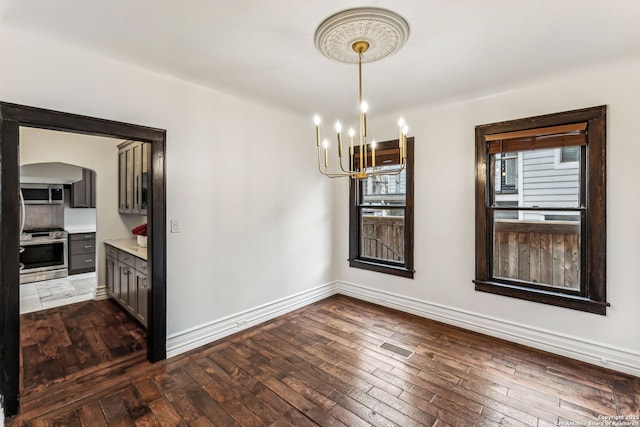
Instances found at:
x=80 y=229
x=129 y=246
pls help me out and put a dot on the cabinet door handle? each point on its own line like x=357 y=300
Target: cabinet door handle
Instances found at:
x=88 y=246
x=88 y=260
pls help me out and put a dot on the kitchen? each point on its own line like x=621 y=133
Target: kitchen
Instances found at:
x=72 y=207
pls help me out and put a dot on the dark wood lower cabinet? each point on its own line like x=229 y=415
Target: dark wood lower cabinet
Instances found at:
x=82 y=253
x=128 y=283
x=142 y=296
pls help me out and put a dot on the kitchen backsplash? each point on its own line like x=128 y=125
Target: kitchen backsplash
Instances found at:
x=43 y=216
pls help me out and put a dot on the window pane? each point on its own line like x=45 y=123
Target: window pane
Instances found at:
x=506 y=173
x=538 y=250
x=382 y=234
x=570 y=154
x=542 y=182
x=385 y=190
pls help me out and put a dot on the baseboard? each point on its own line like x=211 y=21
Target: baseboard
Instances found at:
x=101 y=293
x=617 y=359
x=204 y=334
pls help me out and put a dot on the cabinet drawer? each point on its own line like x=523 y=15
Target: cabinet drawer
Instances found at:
x=78 y=247
x=126 y=258
x=111 y=251
x=141 y=265
x=82 y=236
x=82 y=261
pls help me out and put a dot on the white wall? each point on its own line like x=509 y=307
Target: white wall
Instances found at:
x=255 y=217
x=92 y=152
x=444 y=215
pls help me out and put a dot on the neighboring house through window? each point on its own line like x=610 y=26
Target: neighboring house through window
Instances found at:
x=540 y=209
x=381 y=215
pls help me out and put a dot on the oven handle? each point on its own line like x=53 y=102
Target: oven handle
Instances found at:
x=22 y=211
x=41 y=241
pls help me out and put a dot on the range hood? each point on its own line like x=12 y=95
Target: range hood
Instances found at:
x=50 y=173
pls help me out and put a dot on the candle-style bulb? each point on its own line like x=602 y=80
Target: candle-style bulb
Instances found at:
x=405 y=130
x=364 y=107
x=316 y=119
x=401 y=122
x=325 y=144
x=338 y=126
x=373 y=144
x=352 y=132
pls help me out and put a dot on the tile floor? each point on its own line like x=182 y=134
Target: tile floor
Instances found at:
x=56 y=292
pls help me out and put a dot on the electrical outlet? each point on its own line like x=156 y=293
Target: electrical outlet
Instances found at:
x=175 y=226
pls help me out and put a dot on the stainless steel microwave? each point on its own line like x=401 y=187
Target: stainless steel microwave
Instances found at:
x=42 y=194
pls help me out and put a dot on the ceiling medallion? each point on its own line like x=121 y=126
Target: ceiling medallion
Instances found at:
x=385 y=31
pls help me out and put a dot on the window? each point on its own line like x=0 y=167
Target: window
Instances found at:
x=507 y=170
x=548 y=244
x=381 y=216
x=569 y=154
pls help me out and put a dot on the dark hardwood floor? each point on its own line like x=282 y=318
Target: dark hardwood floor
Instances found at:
x=342 y=362
x=70 y=342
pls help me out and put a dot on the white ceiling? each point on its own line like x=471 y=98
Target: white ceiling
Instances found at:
x=264 y=49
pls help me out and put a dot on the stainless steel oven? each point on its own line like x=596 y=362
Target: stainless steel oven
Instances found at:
x=43 y=255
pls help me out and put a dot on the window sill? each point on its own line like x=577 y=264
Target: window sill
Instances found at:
x=545 y=297
x=382 y=268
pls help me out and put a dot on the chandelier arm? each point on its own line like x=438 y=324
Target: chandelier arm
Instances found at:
x=346 y=173
x=320 y=164
x=388 y=172
x=351 y=171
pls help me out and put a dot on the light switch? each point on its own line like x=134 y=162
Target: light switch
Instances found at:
x=175 y=226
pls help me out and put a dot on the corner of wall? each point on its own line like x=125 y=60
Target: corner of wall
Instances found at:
x=207 y=333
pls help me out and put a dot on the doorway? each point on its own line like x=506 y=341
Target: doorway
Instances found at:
x=12 y=117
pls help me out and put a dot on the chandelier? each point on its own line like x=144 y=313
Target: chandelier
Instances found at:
x=357 y=36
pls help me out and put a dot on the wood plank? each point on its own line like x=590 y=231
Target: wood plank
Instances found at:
x=546 y=257
x=534 y=257
x=91 y=415
x=572 y=260
x=513 y=255
x=558 y=268
x=503 y=264
x=524 y=272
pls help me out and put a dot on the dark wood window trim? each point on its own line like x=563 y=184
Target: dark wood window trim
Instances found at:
x=405 y=270
x=12 y=116
x=592 y=294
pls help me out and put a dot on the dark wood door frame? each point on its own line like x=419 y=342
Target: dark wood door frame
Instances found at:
x=12 y=116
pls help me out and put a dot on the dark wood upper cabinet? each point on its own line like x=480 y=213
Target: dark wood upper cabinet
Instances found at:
x=83 y=192
x=133 y=177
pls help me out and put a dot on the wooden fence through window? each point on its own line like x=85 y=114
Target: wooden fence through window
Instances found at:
x=383 y=237
x=545 y=252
